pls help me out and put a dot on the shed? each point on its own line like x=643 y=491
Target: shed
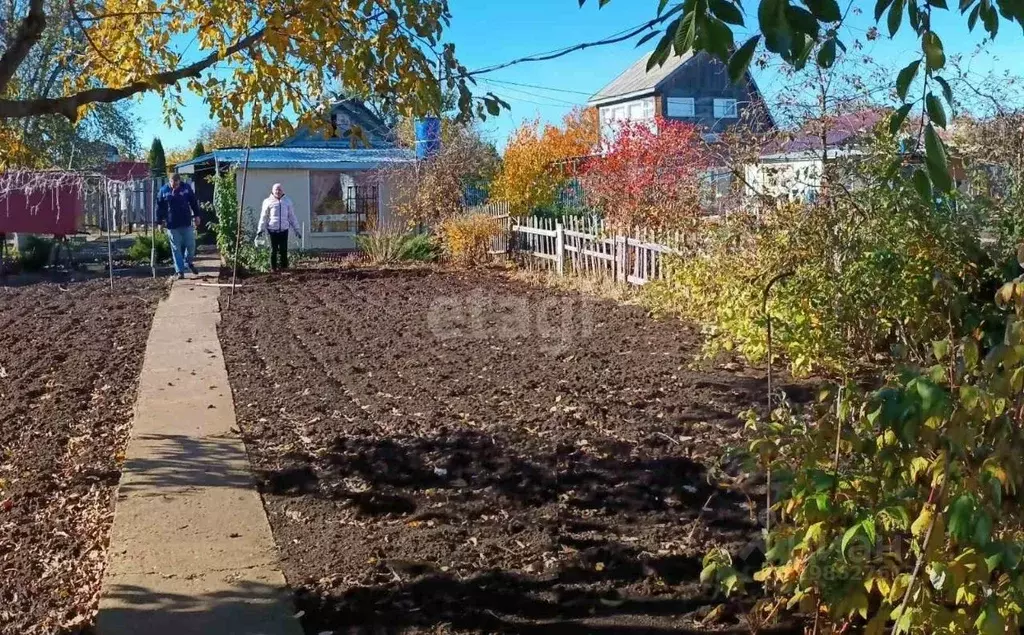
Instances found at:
x=338 y=192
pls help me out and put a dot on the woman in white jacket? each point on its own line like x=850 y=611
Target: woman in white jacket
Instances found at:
x=277 y=216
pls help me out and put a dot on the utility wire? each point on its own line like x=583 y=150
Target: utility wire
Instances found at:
x=555 y=100
x=621 y=36
x=547 y=88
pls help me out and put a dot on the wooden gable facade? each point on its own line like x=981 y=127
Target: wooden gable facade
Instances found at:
x=694 y=88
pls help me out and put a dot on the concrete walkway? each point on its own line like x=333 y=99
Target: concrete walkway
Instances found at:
x=191 y=550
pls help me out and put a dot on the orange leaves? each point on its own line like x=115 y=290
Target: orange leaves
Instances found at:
x=651 y=176
x=530 y=176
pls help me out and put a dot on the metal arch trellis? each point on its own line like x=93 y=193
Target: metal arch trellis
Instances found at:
x=33 y=182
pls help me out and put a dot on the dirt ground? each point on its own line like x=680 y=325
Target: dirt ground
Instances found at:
x=455 y=453
x=70 y=356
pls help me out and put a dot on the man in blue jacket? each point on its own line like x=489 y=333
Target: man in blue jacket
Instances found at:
x=178 y=211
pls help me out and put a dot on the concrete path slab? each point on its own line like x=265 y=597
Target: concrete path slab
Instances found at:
x=191 y=549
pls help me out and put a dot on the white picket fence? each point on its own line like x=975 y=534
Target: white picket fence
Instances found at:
x=582 y=246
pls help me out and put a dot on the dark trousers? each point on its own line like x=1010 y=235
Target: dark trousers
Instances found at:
x=278 y=250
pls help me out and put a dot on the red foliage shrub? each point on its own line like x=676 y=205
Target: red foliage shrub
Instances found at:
x=650 y=176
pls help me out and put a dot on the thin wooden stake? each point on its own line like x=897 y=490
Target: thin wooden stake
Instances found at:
x=110 y=247
x=152 y=229
x=238 y=218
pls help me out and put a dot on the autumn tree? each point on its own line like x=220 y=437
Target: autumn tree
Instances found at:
x=430 y=191
x=261 y=57
x=649 y=176
x=178 y=155
x=216 y=137
x=534 y=167
x=198 y=150
x=48 y=141
x=157 y=159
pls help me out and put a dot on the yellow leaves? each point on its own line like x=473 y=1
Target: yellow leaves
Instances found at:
x=924 y=521
x=919 y=465
x=530 y=176
x=899 y=588
x=305 y=42
x=467 y=239
x=853 y=603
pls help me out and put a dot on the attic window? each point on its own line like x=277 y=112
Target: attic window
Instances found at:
x=340 y=124
x=725 y=109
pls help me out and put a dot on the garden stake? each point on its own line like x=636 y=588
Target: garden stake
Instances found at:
x=110 y=249
x=238 y=217
x=768 y=472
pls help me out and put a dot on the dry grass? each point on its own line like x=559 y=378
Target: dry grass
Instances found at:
x=605 y=288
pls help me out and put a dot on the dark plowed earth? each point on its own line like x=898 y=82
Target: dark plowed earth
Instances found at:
x=446 y=453
x=69 y=365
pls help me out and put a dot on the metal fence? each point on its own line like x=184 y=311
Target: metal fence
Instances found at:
x=118 y=205
x=582 y=245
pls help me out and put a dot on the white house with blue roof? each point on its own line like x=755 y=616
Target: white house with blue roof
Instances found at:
x=339 y=189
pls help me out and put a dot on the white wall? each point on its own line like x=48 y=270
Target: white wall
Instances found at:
x=297 y=186
x=257 y=187
x=792 y=180
x=613 y=116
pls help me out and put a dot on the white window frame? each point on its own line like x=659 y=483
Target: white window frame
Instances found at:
x=681 y=107
x=725 y=109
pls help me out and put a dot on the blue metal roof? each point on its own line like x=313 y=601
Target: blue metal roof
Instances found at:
x=308 y=158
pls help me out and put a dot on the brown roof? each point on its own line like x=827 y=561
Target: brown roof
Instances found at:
x=637 y=79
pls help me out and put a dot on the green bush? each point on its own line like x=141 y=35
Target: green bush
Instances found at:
x=859 y=278
x=390 y=244
x=141 y=248
x=419 y=248
x=251 y=259
x=34 y=254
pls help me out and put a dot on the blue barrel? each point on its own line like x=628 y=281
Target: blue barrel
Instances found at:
x=428 y=137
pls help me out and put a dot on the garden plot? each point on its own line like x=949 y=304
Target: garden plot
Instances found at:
x=449 y=453
x=70 y=358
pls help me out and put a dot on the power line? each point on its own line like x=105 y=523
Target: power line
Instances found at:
x=530 y=101
x=558 y=101
x=621 y=36
x=548 y=88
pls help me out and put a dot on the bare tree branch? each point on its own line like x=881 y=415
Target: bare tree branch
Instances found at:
x=28 y=35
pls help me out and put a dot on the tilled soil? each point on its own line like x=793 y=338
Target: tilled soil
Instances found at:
x=455 y=453
x=70 y=358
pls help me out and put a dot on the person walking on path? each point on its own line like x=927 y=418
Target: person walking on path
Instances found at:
x=177 y=210
x=277 y=216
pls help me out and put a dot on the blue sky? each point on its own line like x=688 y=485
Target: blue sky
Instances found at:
x=488 y=32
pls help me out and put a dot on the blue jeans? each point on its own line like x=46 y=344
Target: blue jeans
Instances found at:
x=183 y=247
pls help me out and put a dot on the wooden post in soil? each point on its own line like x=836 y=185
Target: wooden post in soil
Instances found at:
x=152 y=228
x=110 y=248
x=560 y=248
x=238 y=217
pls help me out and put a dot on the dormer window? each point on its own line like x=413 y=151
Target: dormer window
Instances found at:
x=340 y=124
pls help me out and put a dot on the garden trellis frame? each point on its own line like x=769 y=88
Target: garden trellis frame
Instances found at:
x=42 y=192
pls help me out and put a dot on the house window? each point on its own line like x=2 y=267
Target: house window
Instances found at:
x=725 y=109
x=681 y=107
x=342 y=202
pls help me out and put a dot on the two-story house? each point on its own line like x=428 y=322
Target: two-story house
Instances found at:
x=694 y=88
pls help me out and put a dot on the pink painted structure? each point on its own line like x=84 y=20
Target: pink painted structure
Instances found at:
x=54 y=210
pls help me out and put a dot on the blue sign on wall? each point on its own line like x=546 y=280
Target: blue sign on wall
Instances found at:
x=428 y=137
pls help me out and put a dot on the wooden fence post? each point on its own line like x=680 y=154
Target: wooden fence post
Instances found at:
x=621 y=258
x=560 y=248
